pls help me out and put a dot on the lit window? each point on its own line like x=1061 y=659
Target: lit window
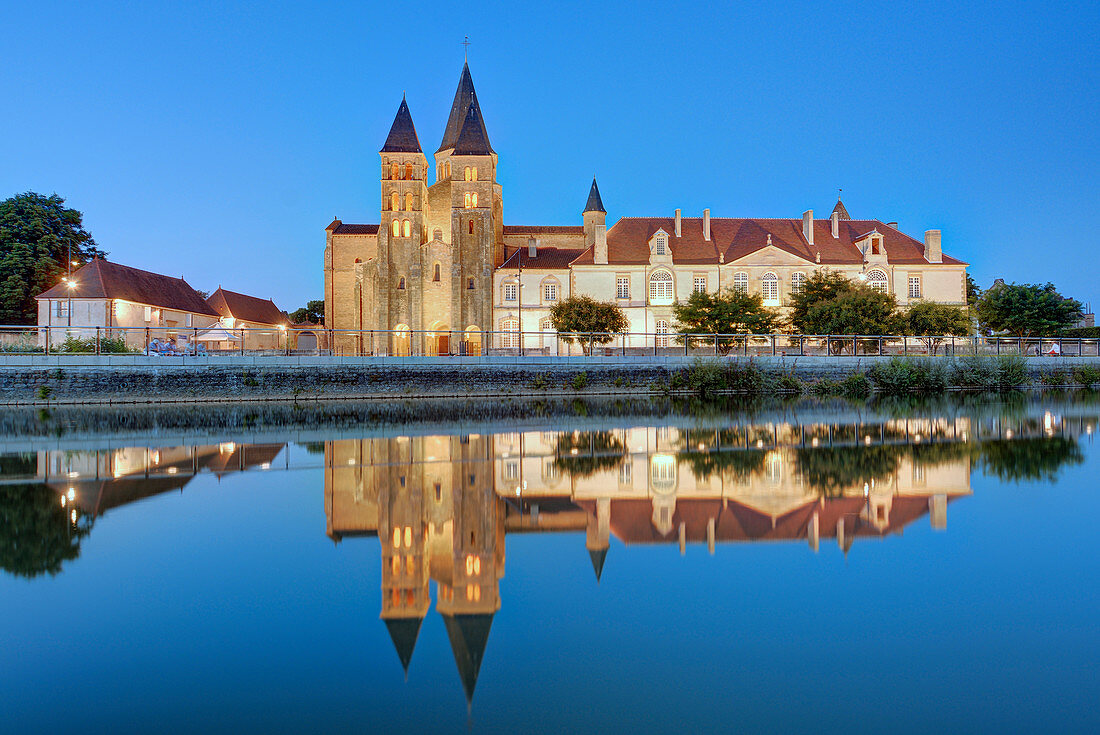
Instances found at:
x=396 y=228
x=662 y=333
x=408 y=202
x=510 y=336
x=466 y=200
x=148 y=313
x=877 y=280
x=741 y=282
x=660 y=245
x=473 y=198
x=466 y=174
x=407 y=227
x=798 y=280
x=769 y=289
x=660 y=288
x=662 y=472
x=397 y=537
x=511 y=469
x=914 y=287
x=622 y=287
x=408 y=536
x=473 y=173
x=550 y=291
x=394 y=172
x=511 y=291
x=699 y=284
x=408 y=171
x=393 y=202
x=435 y=272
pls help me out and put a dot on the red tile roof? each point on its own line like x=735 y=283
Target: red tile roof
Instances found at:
x=101 y=279
x=246 y=308
x=543 y=229
x=545 y=259
x=341 y=229
x=734 y=238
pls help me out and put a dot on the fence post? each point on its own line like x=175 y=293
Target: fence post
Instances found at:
x=716 y=345
x=773 y=345
x=880 y=346
x=855 y=346
x=147 y=340
x=97 y=340
x=47 y=330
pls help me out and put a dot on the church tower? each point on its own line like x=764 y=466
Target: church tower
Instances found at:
x=468 y=215
x=397 y=287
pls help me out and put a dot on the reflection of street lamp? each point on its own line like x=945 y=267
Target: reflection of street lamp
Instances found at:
x=282 y=332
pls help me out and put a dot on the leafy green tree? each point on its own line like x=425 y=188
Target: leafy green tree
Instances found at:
x=583 y=454
x=1027 y=310
x=973 y=290
x=861 y=310
x=1030 y=460
x=585 y=320
x=728 y=312
x=37 y=534
x=931 y=321
x=36 y=233
x=313 y=313
x=820 y=287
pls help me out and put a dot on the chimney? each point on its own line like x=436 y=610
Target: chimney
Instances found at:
x=933 y=253
x=677 y=223
x=835 y=220
x=599 y=252
x=706 y=225
x=808 y=225
x=532 y=248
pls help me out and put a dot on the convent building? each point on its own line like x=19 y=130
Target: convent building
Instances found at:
x=441 y=273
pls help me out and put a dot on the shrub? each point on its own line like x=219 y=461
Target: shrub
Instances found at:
x=856 y=385
x=580 y=380
x=901 y=375
x=44 y=392
x=788 y=383
x=540 y=382
x=1054 y=377
x=1086 y=375
x=1011 y=371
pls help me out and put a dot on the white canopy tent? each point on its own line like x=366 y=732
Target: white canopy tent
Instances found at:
x=217 y=334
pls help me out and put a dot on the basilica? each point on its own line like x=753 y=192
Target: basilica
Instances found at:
x=442 y=274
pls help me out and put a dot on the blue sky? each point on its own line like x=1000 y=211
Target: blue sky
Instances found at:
x=216 y=140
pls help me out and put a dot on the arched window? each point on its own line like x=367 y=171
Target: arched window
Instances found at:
x=448 y=169
x=437 y=234
x=401 y=283
x=877 y=280
x=660 y=245
x=471 y=227
x=407 y=227
x=466 y=199
x=662 y=473
x=408 y=202
x=798 y=280
x=408 y=171
x=393 y=202
x=473 y=199
x=741 y=282
x=660 y=288
x=662 y=333
x=466 y=174
x=769 y=289
x=473 y=173
x=395 y=172
x=401 y=339
x=509 y=339
x=397 y=228
x=435 y=272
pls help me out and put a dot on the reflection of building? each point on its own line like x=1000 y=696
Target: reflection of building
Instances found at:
x=441 y=505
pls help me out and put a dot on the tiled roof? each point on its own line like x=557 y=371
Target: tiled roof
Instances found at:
x=546 y=258
x=595 y=203
x=349 y=229
x=544 y=229
x=734 y=238
x=473 y=140
x=402 y=137
x=101 y=279
x=246 y=308
x=840 y=210
x=465 y=98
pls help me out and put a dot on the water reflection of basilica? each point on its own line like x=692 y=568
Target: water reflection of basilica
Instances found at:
x=441 y=506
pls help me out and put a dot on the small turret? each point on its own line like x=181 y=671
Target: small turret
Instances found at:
x=595 y=224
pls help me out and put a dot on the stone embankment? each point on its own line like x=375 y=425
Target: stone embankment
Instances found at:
x=128 y=379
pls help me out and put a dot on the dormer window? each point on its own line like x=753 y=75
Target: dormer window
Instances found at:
x=660 y=245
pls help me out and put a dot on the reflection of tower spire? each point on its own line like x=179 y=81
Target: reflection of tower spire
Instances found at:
x=469 y=635
x=403 y=633
x=598 y=556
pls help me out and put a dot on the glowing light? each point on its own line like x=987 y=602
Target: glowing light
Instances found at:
x=573 y=450
x=63 y=499
x=227 y=447
x=351 y=461
x=72 y=515
x=74 y=474
x=1008 y=434
x=813 y=442
x=867 y=440
x=916 y=438
x=173 y=470
x=71 y=494
x=702 y=447
x=396 y=537
x=265 y=466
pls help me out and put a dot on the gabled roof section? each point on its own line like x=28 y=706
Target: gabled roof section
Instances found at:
x=402 y=137
x=352 y=229
x=101 y=279
x=472 y=139
x=595 y=203
x=469 y=635
x=245 y=308
x=546 y=258
x=465 y=98
x=840 y=210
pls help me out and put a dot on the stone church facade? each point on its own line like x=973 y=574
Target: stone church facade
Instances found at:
x=442 y=274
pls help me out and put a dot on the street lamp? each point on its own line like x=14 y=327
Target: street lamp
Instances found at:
x=71 y=284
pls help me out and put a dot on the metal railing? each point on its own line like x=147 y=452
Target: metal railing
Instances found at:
x=170 y=341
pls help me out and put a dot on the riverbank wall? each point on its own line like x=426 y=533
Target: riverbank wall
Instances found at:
x=85 y=379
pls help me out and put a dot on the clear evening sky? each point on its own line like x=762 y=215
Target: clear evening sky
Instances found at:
x=217 y=140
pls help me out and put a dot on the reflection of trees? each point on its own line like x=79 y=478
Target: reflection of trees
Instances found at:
x=37 y=533
x=1029 y=459
x=831 y=470
x=583 y=454
x=721 y=452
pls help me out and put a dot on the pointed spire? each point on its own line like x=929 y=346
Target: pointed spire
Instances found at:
x=598 y=556
x=839 y=210
x=469 y=635
x=595 y=203
x=403 y=633
x=472 y=140
x=402 y=137
x=465 y=98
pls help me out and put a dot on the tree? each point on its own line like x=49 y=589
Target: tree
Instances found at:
x=313 y=313
x=585 y=320
x=1027 y=309
x=37 y=533
x=973 y=290
x=931 y=321
x=819 y=287
x=583 y=454
x=729 y=312
x=36 y=234
x=862 y=310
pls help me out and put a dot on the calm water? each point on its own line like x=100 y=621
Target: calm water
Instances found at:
x=806 y=568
